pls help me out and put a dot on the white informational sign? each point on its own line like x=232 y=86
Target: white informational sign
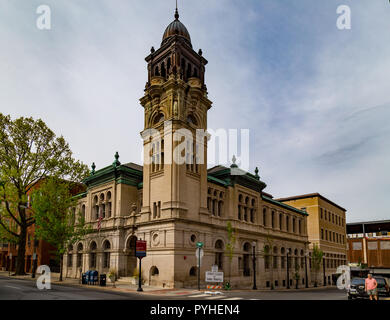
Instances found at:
x=214 y=276
x=214 y=268
x=197 y=256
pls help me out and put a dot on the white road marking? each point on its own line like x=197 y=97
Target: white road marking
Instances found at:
x=199 y=295
x=234 y=298
x=215 y=297
x=13 y=287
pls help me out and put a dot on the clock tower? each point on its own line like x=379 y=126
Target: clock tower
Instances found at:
x=175 y=145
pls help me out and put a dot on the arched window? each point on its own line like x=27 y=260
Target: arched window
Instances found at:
x=220 y=208
x=160 y=117
x=189 y=72
x=266 y=257
x=191 y=119
x=156 y=71
x=109 y=204
x=246 y=258
x=168 y=64
x=79 y=255
x=282 y=258
x=273 y=219
x=83 y=212
x=193 y=272
x=275 y=258
x=70 y=256
x=106 y=254
x=96 y=207
x=92 y=255
x=219 y=248
x=195 y=75
x=154 y=271
x=264 y=217
x=163 y=71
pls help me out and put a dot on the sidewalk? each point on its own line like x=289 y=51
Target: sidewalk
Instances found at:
x=121 y=286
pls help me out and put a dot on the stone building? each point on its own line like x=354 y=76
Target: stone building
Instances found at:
x=326 y=228
x=173 y=206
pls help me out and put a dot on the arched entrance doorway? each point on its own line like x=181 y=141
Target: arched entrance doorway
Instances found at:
x=131 y=261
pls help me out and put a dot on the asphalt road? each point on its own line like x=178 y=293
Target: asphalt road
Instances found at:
x=17 y=289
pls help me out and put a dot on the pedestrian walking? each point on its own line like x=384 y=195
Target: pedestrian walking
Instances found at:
x=371 y=287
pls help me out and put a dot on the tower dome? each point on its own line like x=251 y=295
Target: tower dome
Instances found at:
x=176 y=28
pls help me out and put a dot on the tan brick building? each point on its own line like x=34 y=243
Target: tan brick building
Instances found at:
x=326 y=228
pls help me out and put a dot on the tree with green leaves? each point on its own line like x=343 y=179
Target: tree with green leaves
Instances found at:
x=56 y=218
x=316 y=261
x=29 y=152
x=230 y=248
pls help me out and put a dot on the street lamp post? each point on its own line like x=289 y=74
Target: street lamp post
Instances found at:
x=323 y=266
x=34 y=268
x=288 y=271
x=254 y=265
x=306 y=278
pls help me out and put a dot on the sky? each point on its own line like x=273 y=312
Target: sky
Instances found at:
x=316 y=99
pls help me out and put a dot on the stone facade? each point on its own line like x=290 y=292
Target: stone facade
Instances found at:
x=173 y=206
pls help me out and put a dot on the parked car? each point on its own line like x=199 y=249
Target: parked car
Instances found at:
x=383 y=285
x=357 y=289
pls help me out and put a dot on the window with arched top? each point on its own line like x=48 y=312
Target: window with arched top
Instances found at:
x=83 y=212
x=106 y=254
x=158 y=118
x=192 y=120
x=219 y=249
x=154 y=271
x=189 y=71
x=79 y=255
x=163 y=70
x=193 y=271
x=92 y=255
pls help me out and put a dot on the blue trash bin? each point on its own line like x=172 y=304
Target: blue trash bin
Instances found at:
x=95 y=277
x=89 y=277
x=84 y=278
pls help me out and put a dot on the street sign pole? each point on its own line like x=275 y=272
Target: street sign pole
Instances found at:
x=140 y=252
x=139 y=276
x=199 y=246
x=199 y=268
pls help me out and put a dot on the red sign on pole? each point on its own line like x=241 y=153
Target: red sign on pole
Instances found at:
x=140 y=248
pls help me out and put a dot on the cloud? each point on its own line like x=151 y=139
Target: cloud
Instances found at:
x=315 y=98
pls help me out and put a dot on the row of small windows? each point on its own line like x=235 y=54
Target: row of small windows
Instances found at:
x=331 y=217
x=332 y=236
x=164 y=69
x=215 y=202
x=92 y=255
x=102 y=206
x=282 y=222
x=246 y=208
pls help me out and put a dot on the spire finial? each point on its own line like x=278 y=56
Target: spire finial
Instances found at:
x=257 y=173
x=116 y=162
x=93 y=168
x=176 y=12
x=234 y=165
